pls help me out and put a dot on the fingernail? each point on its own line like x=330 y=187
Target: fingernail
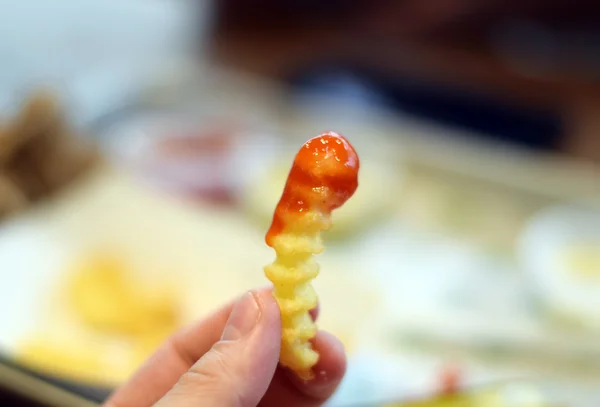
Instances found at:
x=243 y=318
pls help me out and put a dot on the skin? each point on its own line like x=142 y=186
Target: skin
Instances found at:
x=230 y=359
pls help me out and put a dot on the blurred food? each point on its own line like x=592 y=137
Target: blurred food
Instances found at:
x=39 y=154
x=12 y=199
x=188 y=157
x=119 y=320
x=107 y=297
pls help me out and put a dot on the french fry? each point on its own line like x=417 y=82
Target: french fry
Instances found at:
x=323 y=177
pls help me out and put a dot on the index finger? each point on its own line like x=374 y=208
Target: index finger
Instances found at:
x=160 y=373
x=172 y=359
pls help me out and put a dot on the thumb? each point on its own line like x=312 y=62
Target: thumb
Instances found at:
x=238 y=369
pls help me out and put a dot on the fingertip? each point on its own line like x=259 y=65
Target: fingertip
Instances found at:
x=266 y=301
x=329 y=370
x=332 y=356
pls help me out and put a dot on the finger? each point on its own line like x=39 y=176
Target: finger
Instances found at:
x=160 y=373
x=329 y=371
x=238 y=369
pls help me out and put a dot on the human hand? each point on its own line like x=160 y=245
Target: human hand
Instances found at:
x=230 y=359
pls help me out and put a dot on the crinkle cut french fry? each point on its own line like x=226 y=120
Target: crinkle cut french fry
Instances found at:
x=323 y=176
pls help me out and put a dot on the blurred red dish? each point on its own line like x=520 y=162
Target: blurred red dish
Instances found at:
x=193 y=160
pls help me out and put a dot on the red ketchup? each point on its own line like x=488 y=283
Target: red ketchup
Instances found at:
x=324 y=176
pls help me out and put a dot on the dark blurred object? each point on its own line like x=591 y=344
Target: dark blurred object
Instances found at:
x=8 y=398
x=539 y=56
x=39 y=153
x=480 y=115
x=24 y=388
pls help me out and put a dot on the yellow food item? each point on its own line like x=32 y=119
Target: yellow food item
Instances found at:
x=112 y=323
x=584 y=260
x=324 y=175
x=291 y=273
x=104 y=296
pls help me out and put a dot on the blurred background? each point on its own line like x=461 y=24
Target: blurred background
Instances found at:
x=144 y=145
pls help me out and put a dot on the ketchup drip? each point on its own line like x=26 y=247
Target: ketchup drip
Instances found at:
x=324 y=175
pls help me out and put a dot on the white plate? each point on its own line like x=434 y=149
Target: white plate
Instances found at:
x=542 y=248
x=31 y=259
